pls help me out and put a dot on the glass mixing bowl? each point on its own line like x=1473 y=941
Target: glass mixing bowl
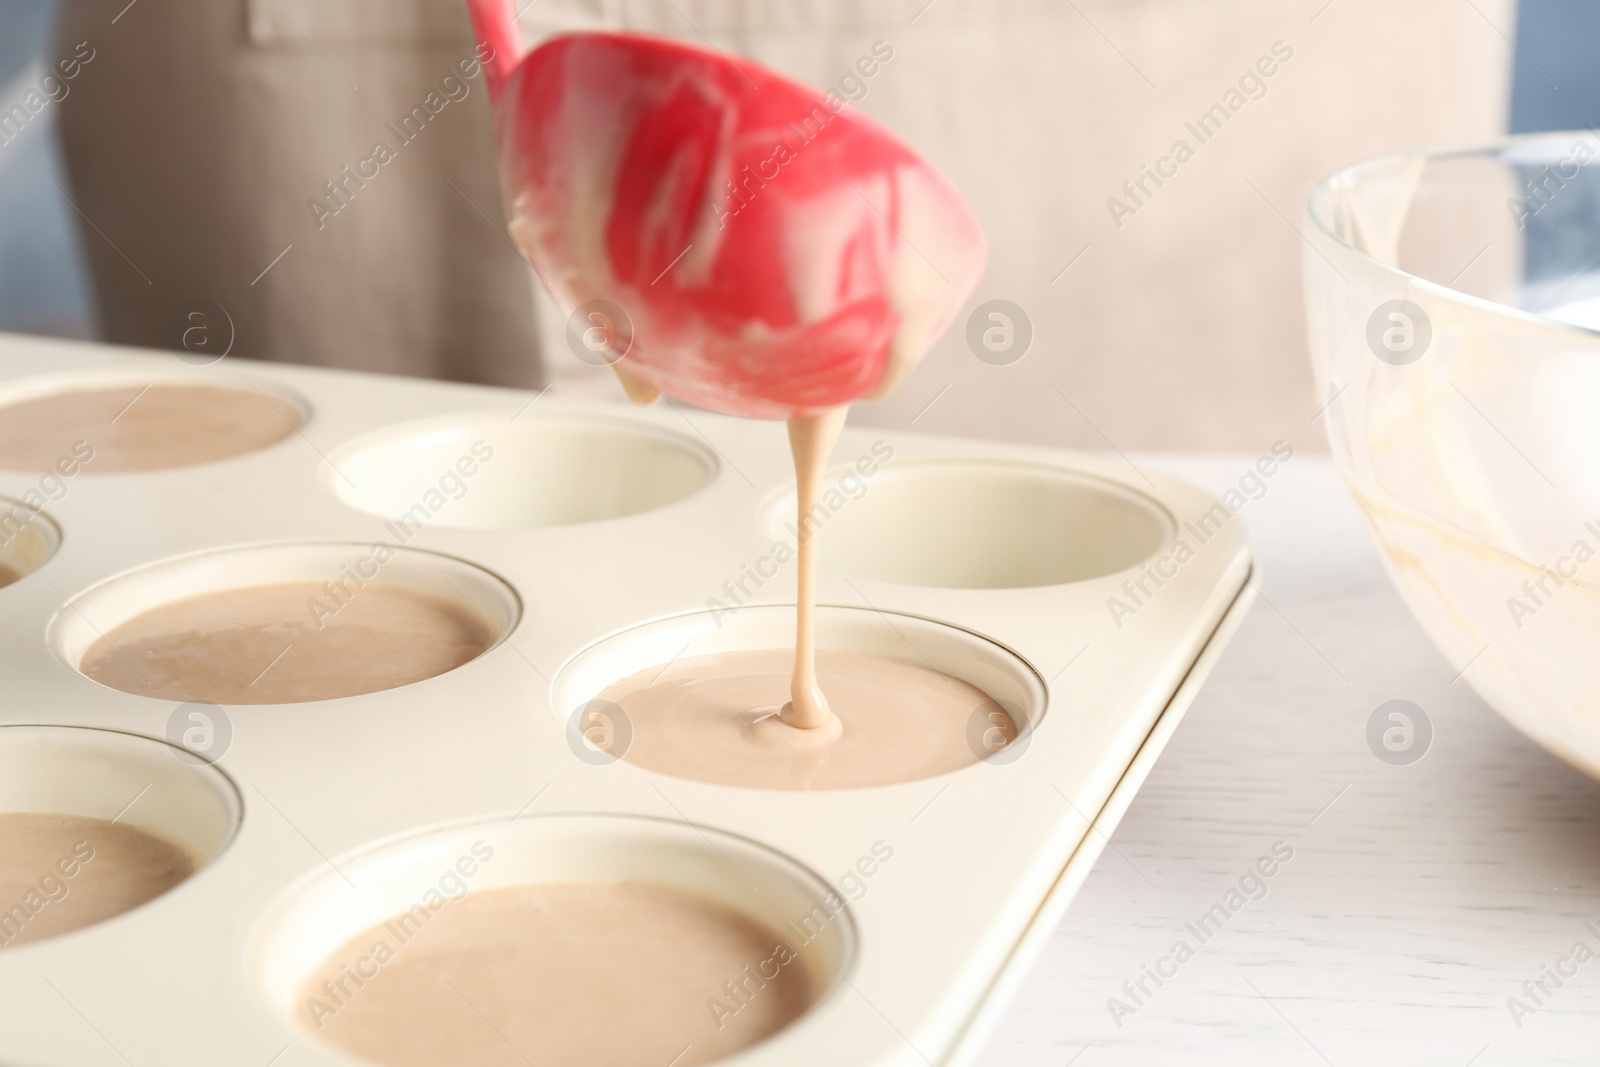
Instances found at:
x=1453 y=300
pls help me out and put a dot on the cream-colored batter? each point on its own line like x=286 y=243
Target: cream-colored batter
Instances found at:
x=140 y=427
x=272 y=644
x=625 y=975
x=63 y=872
x=7 y=576
x=811 y=440
x=714 y=719
x=722 y=718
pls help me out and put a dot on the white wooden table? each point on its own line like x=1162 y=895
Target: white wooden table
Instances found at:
x=1419 y=898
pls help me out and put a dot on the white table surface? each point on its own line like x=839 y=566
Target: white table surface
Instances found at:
x=1419 y=898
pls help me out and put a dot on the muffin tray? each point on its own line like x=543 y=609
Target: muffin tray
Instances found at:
x=596 y=540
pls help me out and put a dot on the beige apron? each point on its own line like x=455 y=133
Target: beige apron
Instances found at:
x=1164 y=311
x=202 y=132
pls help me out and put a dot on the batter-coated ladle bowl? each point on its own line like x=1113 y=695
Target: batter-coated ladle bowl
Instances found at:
x=720 y=232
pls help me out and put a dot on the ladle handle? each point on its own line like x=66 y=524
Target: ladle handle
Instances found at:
x=495 y=23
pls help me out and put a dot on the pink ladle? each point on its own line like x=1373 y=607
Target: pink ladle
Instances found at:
x=772 y=252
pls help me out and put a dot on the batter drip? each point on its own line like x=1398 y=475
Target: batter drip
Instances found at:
x=811 y=440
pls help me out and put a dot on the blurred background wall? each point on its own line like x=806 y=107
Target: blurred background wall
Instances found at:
x=1249 y=378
